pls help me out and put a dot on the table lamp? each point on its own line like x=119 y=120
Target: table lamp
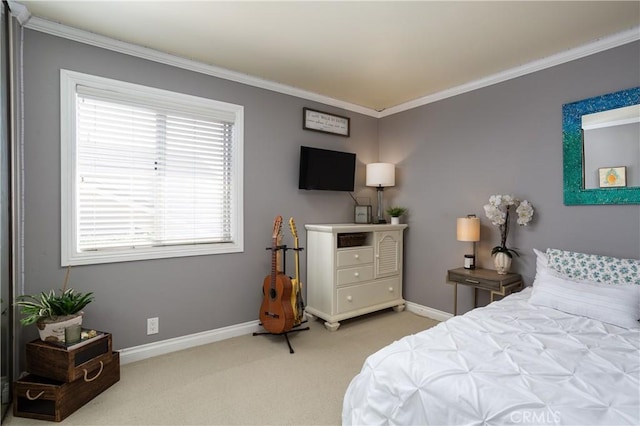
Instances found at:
x=468 y=229
x=380 y=175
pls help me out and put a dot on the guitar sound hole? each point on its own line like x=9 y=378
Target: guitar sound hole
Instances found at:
x=272 y=293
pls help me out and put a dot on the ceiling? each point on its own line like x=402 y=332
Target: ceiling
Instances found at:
x=375 y=55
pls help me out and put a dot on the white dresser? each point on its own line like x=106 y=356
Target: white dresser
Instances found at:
x=353 y=270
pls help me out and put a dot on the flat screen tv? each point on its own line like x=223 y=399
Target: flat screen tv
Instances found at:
x=327 y=170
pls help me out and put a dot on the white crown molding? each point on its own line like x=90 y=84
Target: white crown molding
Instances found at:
x=600 y=45
x=20 y=11
x=86 y=37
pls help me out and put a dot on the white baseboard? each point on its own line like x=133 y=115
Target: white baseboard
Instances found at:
x=426 y=311
x=138 y=353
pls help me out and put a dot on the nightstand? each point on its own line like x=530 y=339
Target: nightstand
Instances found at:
x=483 y=279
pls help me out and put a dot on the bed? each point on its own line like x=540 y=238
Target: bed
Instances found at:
x=565 y=351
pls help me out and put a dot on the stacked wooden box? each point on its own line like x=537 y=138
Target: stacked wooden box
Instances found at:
x=62 y=380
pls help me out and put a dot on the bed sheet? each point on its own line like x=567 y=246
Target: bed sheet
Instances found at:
x=508 y=363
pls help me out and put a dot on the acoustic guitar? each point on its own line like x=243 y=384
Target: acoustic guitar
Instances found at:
x=296 y=295
x=276 y=312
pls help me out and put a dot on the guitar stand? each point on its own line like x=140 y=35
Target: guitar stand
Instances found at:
x=284 y=248
x=285 y=334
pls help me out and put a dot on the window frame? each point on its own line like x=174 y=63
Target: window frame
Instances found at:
x=70 y=255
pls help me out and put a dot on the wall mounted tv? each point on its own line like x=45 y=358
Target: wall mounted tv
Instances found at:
x=326 y=170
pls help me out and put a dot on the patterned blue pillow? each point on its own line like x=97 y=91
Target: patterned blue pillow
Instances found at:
x=593 y=267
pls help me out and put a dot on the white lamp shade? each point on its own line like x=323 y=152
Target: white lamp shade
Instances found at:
x=468 y=229
x=381 y=174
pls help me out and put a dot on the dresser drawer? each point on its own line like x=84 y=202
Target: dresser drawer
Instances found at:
x=482 y=278
x=365 y=295
x=355 y=275
x=354 y=257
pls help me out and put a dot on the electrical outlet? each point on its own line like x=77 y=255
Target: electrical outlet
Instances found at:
x=152 y=325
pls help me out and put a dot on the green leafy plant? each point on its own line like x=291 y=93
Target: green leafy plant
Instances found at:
x=52 y=305
x=396 y=211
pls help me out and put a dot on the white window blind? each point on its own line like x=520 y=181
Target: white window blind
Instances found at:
x=151 y=173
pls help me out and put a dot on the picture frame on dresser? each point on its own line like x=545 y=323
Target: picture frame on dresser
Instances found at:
x=362 y=214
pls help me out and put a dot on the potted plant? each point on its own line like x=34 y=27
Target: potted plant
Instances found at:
x=498 y=211
x=395 y=213
x=53 y=312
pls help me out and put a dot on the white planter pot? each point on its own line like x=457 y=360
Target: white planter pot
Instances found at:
x=54 y=331
x=502 y=262
x=395 y=220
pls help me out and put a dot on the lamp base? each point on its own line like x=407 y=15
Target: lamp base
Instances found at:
x=380 y=218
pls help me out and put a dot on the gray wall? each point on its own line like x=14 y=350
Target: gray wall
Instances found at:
x=451 y=156
x=503 y=139
x=191 y=294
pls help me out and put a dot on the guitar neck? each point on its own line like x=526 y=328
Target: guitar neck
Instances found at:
x=274 y=262
x=294 y=232
x=276 y=250
x=297 y=258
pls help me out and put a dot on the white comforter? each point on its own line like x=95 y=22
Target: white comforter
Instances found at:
x=507 y=363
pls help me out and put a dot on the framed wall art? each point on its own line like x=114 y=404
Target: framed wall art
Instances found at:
x=325 y=122
x=612 y=177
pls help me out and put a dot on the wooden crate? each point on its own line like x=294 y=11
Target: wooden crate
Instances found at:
x=67 y=365
x=43 y=398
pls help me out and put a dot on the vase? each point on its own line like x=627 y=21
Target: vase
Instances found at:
x=52 y=330
x=502 y=262
x=395 y=220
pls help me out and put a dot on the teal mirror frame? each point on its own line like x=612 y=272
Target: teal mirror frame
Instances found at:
x=572 y=150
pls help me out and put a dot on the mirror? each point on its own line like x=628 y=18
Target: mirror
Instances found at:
x=611 y=145
x=601 y=149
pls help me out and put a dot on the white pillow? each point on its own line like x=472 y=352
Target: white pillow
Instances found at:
x=618 y=305
x=542 y=262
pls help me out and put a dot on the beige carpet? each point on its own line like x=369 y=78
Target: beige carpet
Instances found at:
x=247 y=379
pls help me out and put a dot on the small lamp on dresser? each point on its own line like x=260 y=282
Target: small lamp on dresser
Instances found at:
x=468 y=229
x=380 y=175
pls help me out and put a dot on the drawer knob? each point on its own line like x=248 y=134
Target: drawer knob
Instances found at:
x=349 y=298
x=357 y=256
x=356 y=274
x=390 y=289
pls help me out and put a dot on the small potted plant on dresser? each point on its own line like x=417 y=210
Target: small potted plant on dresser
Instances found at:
x=53 y=312
x=395 y=213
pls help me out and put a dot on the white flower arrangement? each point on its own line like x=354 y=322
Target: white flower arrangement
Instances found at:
x=498 y=213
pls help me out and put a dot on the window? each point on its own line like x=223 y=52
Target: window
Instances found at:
x=147 y=173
